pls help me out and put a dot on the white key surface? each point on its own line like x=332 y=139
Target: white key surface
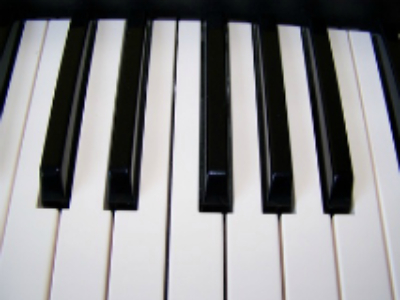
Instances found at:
x=196 y=253
x=307 y=238
x=26 y=261
x=137 y=267
x=253 y=247
x=384 y=160
x=83 y=245
x=12 y=121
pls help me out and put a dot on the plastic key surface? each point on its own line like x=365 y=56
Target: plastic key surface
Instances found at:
x=82 y=255
x=123 y=176
x=306 y=235
x=387 y=53
x=332 y=145
x=252 y=238
x=28 y=246
x=360 y=246
x=138 y=258
x=12 y=122
x=382 y=151
x=58 y=161
x=215 y=136
x=9 y=43
x=196 y=246
x=276 y=161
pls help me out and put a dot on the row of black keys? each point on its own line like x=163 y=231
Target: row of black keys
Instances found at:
x=59 y=155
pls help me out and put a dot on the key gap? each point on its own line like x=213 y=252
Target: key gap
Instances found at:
x=170 y=171
x=336 y=257
x=110 y=248
x=282 y=260
x=50 y=285
x=225 y=250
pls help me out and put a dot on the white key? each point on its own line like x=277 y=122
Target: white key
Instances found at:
x=83 y=245
x=196 y=239
x=308 y=250
x=253 y=247
x=387 y=176
x=139 y=240
x=12 y=122
x=26 y=260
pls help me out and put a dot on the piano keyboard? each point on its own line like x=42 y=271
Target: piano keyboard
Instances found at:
x=219 y=192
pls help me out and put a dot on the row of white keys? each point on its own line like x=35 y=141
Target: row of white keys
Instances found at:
x=12 y=122
x=82 y=251
x=253 y=245
x=26 y=261
x=360 y=249
x=196 y=253
x=137 y=268
x=307 y=238
x=383 y=155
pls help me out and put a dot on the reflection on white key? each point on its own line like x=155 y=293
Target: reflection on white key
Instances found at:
x=26 y=260
x=139 y=240
x=384 y=161
x=82 y=252
x=196 y=239
x=253 y=250
x=307 y=237
x=12 y=122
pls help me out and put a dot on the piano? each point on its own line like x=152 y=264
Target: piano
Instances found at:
x=199 y=149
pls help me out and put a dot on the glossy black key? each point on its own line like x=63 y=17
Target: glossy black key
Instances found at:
x=4 y=32
x=330 y=131
x=126 y=148
x=59 y=154
x=387 y=52
x=275 y=156
x=215 y=144
x=10 y=37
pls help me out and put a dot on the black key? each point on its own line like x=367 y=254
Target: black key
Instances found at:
x=332 y=146
x=59 y=154
x=126 y=148
x=10 y=37
x=4 y=32
x=276 y=160
x=387 y=52
x=215 y=143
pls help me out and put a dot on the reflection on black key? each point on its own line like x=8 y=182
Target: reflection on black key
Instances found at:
x=387 y=52
x=126 y=148
x=58 y=160
x=276 y=162
x=10 y=37
x=330 y=131
x=215 y=145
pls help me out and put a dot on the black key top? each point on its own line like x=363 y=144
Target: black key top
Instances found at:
x=330 y=131
x=10 y=37
x=59 y=154
x=4 y=32
x=215 y=143
x=387 y=52
x=276 y=161
x=126 y=148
